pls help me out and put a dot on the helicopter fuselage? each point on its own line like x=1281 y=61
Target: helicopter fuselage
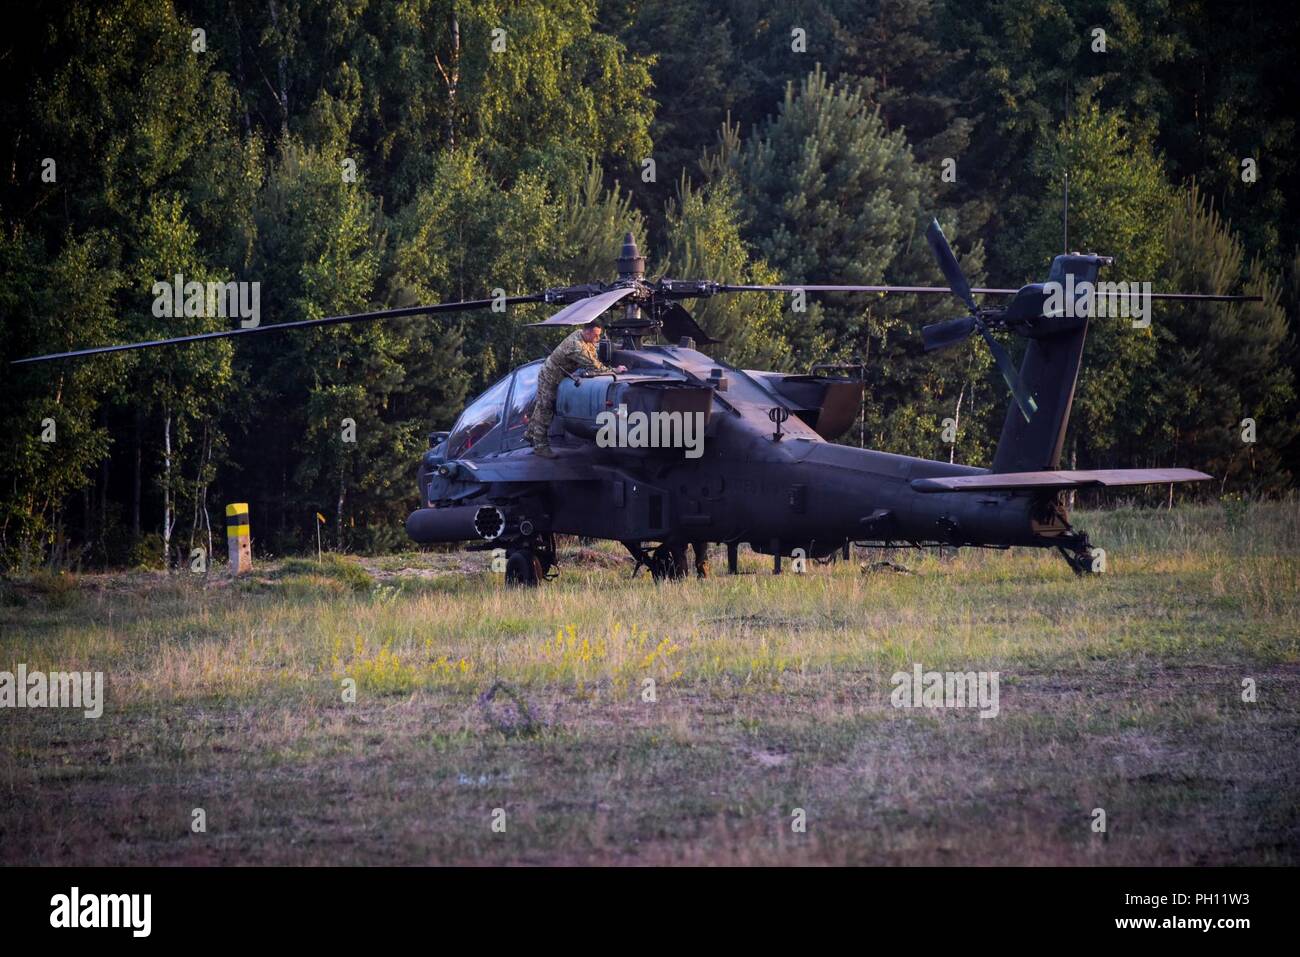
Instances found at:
x=765 y=475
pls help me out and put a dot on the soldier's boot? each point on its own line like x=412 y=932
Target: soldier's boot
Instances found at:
x=545 y=451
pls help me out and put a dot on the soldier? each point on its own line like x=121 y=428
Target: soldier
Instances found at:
x=577 y=351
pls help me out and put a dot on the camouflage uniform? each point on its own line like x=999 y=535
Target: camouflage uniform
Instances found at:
x=572 y=354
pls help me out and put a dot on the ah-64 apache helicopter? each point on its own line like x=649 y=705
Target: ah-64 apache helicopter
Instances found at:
x=770 y=472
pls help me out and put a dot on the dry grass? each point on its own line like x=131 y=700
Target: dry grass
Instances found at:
x=1122 y=692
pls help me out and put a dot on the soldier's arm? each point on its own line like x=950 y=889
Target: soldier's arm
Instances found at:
x=589 y=360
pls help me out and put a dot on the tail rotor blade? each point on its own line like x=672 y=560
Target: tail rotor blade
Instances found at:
x=941 y=335
x=1008 y=369
x=948 y=263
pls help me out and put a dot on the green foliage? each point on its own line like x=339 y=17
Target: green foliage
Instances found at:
x=590 y=226
x=1210 y=83
x=351 y=156
x=704 y=240
x=1119 y=198
x=559 y=93
x=57 y=590
x=464 y=236
x=832 y=195
x=1218 y=366
x=334 y=567
x=346 y=414
x=830 y=192
x=55 y=432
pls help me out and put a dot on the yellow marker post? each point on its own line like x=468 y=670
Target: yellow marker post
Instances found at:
x=238 y=540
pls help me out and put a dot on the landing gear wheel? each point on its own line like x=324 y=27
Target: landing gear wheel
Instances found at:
x=668 y=563
x=1088 y=561
x=523 y=568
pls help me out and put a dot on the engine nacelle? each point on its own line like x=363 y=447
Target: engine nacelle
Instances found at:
x=582 y=405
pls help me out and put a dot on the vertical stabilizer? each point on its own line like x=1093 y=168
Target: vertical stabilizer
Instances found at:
x=1050 y=371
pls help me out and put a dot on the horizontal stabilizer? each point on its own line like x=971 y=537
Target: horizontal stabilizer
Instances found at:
x=1030 y=481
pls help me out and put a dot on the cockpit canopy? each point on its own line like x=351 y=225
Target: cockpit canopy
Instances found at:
x=480 y=428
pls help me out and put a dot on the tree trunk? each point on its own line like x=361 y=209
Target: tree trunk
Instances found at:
x=956 y=419
x=207 y=462
x=103 y=506
x=239 y=70
x=200 y=478
x=338 y=518
x=135 y=485
x=282 y=94
x=451 y=77
x=207 y=521
x=87 y=515
x=168 y=520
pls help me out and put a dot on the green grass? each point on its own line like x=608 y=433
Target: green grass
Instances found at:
x=1121 y=692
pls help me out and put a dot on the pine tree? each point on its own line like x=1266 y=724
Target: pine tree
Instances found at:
x=1219 y=364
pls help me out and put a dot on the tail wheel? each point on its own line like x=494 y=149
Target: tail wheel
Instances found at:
x=523 y=568
x=1086 y=561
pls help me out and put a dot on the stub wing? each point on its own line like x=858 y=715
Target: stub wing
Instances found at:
x=523 y=467
x=1031 y=481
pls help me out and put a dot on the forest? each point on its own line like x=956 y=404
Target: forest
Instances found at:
x=346 y=155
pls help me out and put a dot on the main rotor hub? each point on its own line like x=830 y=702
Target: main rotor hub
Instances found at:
x=631 y=264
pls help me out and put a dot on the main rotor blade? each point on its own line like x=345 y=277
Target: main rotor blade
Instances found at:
x=1201 y=296
x=584 y=310
x=916 y=290
x=380 y=315
x=1009 y=374
x=948 y=263
x=977 y=290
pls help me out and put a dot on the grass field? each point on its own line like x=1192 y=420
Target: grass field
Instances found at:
x=1122 y=692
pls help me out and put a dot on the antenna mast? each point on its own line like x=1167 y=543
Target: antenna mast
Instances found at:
x=1065 y=211
x=1065 y=218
